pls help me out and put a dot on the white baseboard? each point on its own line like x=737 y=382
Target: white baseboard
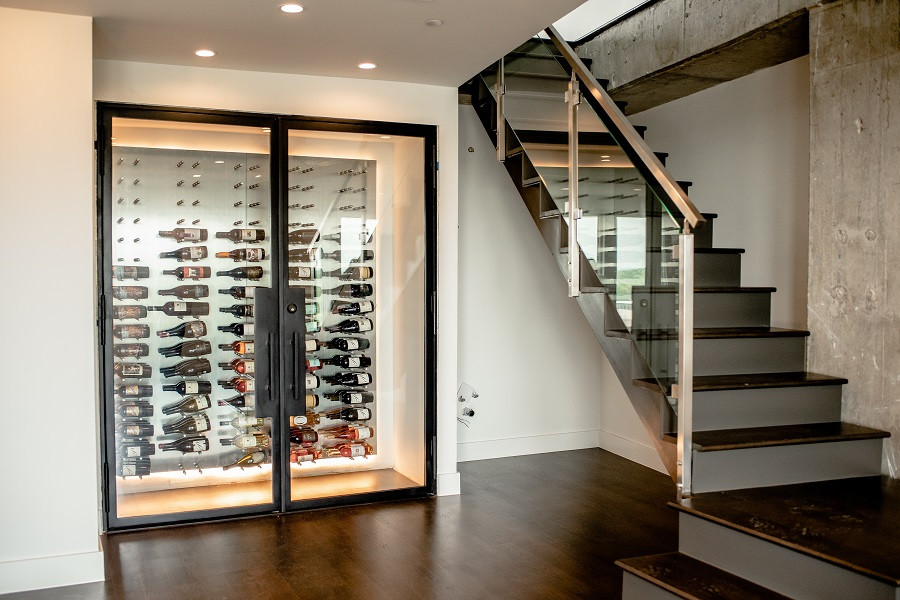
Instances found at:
x=50 y=572
x=448 y=484
x=633 y=451
x=535 y=444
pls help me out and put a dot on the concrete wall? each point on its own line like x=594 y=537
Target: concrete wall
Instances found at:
x=49 y=508
x=854 y=250
x=750 y=164
x=543 y=382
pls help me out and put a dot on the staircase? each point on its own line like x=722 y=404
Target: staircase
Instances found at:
x=786 y=500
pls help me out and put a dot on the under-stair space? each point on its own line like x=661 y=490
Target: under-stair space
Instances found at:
x=786 y=500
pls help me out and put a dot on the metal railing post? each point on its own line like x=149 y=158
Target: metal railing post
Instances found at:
x=685 y=389
x=501 y=116
x=573 y=99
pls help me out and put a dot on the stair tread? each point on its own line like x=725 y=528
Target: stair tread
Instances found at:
x=852 y=523
x=673 y=289
x=690 y=578
x=703 y=250
x=780 y=435
x=710 y=333
x=705 y=383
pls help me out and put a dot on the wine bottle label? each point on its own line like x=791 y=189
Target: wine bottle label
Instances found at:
x=353 y=362
x=312 y=326
x=197 y=252
x=131 y=411
x=249 y=385
x=315 y=363
x=248 y=367
x=201 y=423
x=192 y=273
x=191 y=387
x=131 y=390
x=366 y=306
x=304 y=457
x=255 y=254
x=311 y=345
x=132 y=430
x=362 y=378
x=355 y=398
x=131 y=370
x=298 y=420
x=356 y=451
x=248 y=235
x=249 y=292
x=196 y=329
x=199 y=445
x=191 y=234
x=179 y=307
x=202 y=402
x=247 y=348
x=312 y=382
x=364 y=324
x=311 y=402
x=249 y=329
x=249 y=400
x=129 y=470
x=352 y=344
x=245 y=440
x=304 y=272
x=364 y=433
x=363 y=414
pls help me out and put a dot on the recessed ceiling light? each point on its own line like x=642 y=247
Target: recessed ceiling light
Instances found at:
x=205 y=53
x=604 y=156
x=604 y=160
x=266 y=130
x=434 y=22
x=291 y=7
x=220 y=162
x=384 y=137
x=366 y=65
x=196 y=175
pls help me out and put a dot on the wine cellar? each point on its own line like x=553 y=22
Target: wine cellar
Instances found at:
x=217 y=402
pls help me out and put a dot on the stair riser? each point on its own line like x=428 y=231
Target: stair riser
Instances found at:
x=703 y=237
x=717 y=270
x=775 y=567
x=730 y=356
x=635 y=588
x=711 y=309
x=780 y=465
x=767 y=407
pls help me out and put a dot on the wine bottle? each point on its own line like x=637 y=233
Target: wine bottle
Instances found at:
x=244 y=367
x=241 y=384
x=249 y=459
x=188 y=405
x=133 y=467
x=122 y=272
x=354 y=325
x=312 y=381
x=352 y=273
x=348 y=432
x=313 y=364
x=247 y=441
x=187 y=425
x=239 y=292
x=238 y=329
x=134 y=391
x=193 y=367
x=243 y=235
x=347 y=343
x=240 y=401
x=252 y=273
x=361 y=256
x=361 y=237
x=347 y=378
x=352 y=308
x=302 y=455
x=348 y=361
x=311 y=308
x=183 y=309
x=129 y=332
x=313 y=326
x=191 y=443
x=134 y=409
x=188 y=349
x=303 y=436
x=303 y=236
x=311 y=291
x=194 y=329
x=313 y=345
x=132 y=370
x=352 y=290
x=134 y=311
x=351 y=397
x=304 y=273
x=239 y=347
x=194 y=273
x=187 y=253
x=304 y=255
x=189 y=388
x=238 y=310
x=139 y=429
x=310 y=419
x=131 y=350
x=187 y=291
x=244 y=254
x=348 y=414
x=312 y=400
x=186 y=234
x=135 y=448
x=130 y=292
x=243 y=422
x=349 y=450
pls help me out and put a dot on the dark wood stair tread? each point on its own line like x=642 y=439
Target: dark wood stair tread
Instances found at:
x=709 y=333
x=673 y=289
x=711 y=383
x=852 y=523
x=702 y=250
x=690 y=578
x=780 y=435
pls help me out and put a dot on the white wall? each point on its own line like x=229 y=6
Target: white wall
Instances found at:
x=49 y=507
x=543 y=381
x=745 y=145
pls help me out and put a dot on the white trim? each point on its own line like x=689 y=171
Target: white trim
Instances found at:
x=632 y=450
x=534 y=444
x=50 y=571
x=448 y=484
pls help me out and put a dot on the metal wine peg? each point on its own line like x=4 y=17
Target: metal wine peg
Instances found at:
x=137 y=201
x=136 y=221
x=254 y=186
x=254 y=204
x=120 y=200
x=238 y=203
x=292 y=169
x=180 y=162
x=195 y=184
x=238 y=184
x=360 y=208
x=308 y=170
x=179 y=221
x=120 y=259
x=345 y=190
x=121 y=179
x=136 y=259
x=307 y=188
x=136 y=161
x=294 y=187
x=254 y=167
x=120 y=240
x=195 y=165
x=195 y=221
x=180 y=202
x=195 y=202
x=180 y=183
x=294 y=206
x=136 y=181
x=356 y=191
x=345 y=207
x=253 y=223
x=136 y=240
x=307 y=225
x=236 y=223
x=238 y=166
x=293 y=224
x=346 y=172
x=119 y=162
x=305 y=206
x=199 y=470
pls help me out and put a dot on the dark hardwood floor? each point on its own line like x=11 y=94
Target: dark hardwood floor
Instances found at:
x=547 y=526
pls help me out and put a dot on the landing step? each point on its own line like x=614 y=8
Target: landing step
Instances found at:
x=851 y=523
x=709 y=333
x=708 y=383
x=673 y=289
x=703 y=251
x=782 y=435
x=690 y=578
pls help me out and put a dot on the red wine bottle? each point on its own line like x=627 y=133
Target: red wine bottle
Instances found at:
x=347 y=378
x=352 y=290
x=302 y=455
x=187 y=291
x=130 y=292
x=193 y=367
x=189 y=388
x=188 y=405
x=244 y=254
x=351 y=397
x=304 y=273
x=133 y=311
x=187 y=425
x=134 y=391
x=194 y=329
x=244 y=367
x=122 y=272
x=303 y=436
x=133 y=370
x=188 y=349
x=131 y=332
x=238 y=329
x=239 y=347
x=135 y=448
x=303 y=236
x=347 y=343
x=187 y=253
x=183 y=309
x=360 y=256
x=194 y=273
x=243 y=235
x=251 y=273
x=352 y=273
x=348 y=361
x=133 y=467
x=186 y=234
x=139 y=429
x=352 y=308
x=131 y=350
x=191 y=443
x=238 y=310
x=348 y=414
x=349 y=450
x=240 y=401
x=354 y=325
x=313 y=364
x=239 y=292
x=348 y=432
x=134 y=409
x=241 y=384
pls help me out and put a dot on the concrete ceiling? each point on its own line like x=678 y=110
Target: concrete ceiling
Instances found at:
x=330 y=37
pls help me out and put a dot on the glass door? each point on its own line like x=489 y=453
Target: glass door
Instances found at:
x=187 y=267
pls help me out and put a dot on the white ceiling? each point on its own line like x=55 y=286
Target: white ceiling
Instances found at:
x=330 y=37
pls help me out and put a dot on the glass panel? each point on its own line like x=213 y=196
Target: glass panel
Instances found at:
x=191 y=225
x=356 y=242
